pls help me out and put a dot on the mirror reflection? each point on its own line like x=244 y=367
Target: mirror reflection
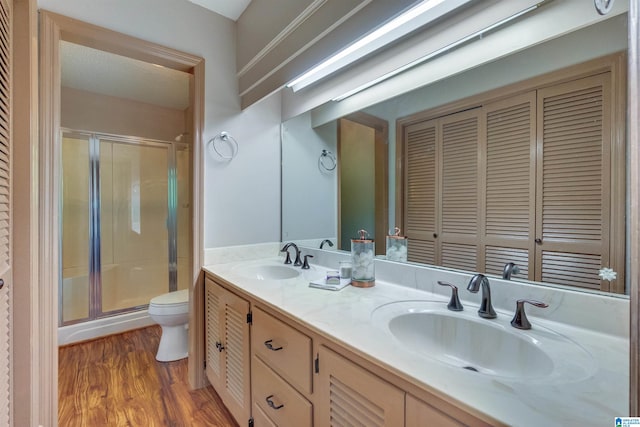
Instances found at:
x=519 y=161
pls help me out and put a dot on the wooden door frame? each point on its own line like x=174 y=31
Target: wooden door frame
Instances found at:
x=381 y=138
x=53 y=28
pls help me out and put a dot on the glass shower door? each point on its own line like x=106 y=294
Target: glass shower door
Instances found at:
x=124 y=200
x=134 y=224
x=76 y=228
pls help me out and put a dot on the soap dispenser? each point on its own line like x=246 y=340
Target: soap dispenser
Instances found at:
x=362 y=256
x=396 y=246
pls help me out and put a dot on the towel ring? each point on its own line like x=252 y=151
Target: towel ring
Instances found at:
x=231 y=141
x=603 y=6
x=327 y=161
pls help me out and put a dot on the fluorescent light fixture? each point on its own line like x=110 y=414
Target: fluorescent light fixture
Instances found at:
x=434 y=54
x=421 y=14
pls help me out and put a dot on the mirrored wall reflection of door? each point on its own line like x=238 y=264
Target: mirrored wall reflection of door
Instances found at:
x=119 y=224
x=363 y=179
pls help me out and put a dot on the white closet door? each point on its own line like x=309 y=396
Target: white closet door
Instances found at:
x=6 y=19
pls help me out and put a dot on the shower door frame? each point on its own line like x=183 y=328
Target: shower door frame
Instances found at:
x=94 y=244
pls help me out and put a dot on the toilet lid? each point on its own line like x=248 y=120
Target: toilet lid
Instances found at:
x=171 y=298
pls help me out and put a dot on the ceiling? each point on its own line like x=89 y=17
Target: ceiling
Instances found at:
x=232 y=9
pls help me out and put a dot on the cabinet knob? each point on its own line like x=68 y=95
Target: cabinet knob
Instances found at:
x=270 y=346
x=219 y=346
x=1 y=283
x=273 y=405
x=435 y=235
x=538 y=241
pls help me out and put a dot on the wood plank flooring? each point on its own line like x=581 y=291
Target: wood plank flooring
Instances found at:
x=116 y=381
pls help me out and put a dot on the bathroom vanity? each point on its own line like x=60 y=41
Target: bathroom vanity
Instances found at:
x=280 y=353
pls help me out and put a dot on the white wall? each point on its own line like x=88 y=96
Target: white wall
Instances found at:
x=242 y=198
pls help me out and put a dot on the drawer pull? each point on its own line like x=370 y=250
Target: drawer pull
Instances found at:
x=270 y=346
x=219 y=346
x=273 y=405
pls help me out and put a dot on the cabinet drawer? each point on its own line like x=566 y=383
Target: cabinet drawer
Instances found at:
x=283 y=349
x=260 y=419
x=277 y=399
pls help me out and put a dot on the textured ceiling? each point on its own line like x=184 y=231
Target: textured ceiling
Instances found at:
x=105 y=73
x=232 y=9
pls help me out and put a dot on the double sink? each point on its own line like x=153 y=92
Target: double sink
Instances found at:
x=462 y=340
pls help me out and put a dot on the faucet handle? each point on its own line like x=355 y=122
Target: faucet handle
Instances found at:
x=520 y=320
x=288 y=259
x=454 y=303
x=305 y=264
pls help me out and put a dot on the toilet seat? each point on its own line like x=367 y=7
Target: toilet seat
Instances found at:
x=170 y=303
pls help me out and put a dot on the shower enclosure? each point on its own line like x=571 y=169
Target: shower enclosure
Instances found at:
x=125 y=234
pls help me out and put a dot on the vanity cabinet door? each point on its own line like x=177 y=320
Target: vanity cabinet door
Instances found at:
x=350 y=395
x=419 y=414
x=227 y=348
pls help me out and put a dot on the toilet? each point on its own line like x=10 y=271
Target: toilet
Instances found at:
x=171 y=312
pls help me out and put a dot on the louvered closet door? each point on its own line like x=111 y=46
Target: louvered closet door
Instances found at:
x=420 y=224
x=6 y=21
x=348 y=395
x=458 y=190
x=574 y=131
x=508 y=201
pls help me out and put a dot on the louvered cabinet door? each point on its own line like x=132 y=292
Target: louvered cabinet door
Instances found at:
x=458 y=190
x=419 y=414
x=6 y=20
x=508 y=199
x=420 y=222
x=573 y=181
x=228 y=349
x=348 y=395
x=213 y=316
x=237 y=357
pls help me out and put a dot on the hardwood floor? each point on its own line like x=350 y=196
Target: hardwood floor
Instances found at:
x=116 y=381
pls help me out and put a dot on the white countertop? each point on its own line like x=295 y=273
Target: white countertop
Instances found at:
x=346 y=315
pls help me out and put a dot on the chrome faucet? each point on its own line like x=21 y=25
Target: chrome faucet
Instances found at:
x=285 y=248
x=329 y=242
x=486 y=310
x=509 y=269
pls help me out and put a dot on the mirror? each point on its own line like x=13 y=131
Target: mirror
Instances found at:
x=314 y=198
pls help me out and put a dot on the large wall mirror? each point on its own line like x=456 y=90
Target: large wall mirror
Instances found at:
x=318 y=200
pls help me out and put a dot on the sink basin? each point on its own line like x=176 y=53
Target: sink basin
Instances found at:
x=490 y=347
x=268 y=272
